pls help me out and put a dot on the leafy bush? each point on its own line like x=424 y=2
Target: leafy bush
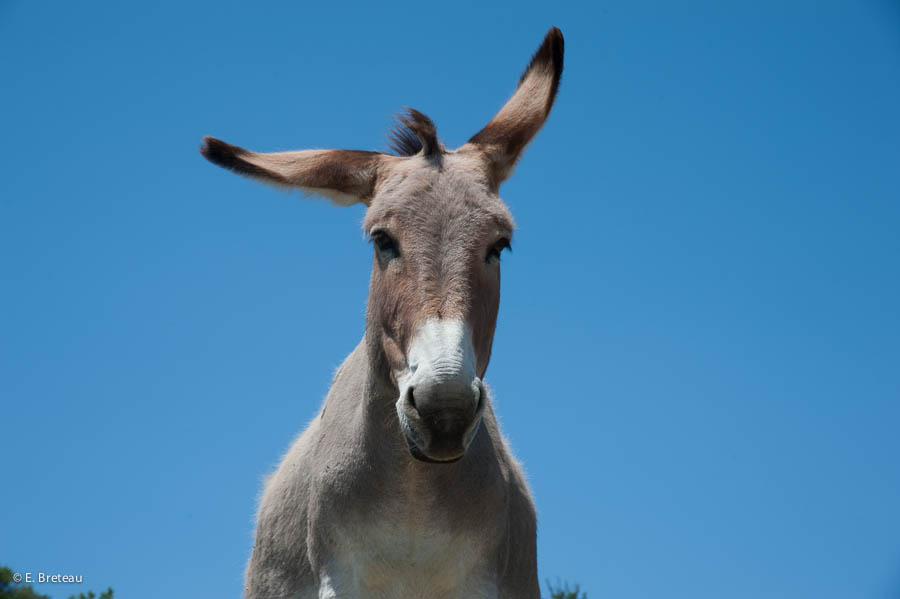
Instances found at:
x=564 y=592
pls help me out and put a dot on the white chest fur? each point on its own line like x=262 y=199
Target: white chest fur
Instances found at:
x=386 y=560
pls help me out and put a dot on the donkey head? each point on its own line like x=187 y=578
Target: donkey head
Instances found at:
x=438 y=227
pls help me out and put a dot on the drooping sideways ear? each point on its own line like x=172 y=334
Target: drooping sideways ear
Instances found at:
x=507 y=134
x=344 y=176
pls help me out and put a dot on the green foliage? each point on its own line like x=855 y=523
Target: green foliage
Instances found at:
x=12 y=590
x=564 y=592
x=107 y=594
x=9 y=589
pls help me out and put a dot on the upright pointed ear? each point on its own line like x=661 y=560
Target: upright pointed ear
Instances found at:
x=504 y=138
x=344 y=176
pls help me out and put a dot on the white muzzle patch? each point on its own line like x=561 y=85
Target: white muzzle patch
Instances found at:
x=441 y=353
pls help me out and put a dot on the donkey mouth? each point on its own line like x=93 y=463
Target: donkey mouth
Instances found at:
x=439 y=439
x=417 y=453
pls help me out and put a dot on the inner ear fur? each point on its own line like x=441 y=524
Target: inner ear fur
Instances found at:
x=345 y=176
x=504 y=138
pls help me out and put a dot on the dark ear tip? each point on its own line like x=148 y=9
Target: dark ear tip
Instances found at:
x=234 y=158
x=209 y=146
x=218 y=152
x=549 y=56
x=206 y=146
x=556 y=43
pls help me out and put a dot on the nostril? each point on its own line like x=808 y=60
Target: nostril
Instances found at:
x=412 y=399
x=480 y=404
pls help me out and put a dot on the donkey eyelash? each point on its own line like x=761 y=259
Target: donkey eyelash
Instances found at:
x=497 y=248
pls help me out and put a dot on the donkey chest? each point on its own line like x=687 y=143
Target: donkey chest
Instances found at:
x=390 y=559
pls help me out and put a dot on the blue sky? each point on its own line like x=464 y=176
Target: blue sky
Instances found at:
x=698 y=349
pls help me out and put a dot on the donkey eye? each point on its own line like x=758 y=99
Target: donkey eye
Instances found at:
x=493 y=254
x=385 y=245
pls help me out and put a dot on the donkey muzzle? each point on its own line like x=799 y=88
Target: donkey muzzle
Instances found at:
x=441 y=397
x=440 y=420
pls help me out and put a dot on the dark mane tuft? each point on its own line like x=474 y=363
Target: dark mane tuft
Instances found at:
x=402 y=141
x=413 y=133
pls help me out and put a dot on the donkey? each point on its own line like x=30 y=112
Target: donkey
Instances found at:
x=403 y=485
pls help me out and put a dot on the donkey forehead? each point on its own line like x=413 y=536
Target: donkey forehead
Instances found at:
x=427 y=191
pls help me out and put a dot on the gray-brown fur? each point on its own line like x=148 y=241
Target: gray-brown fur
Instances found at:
x=357 y=507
